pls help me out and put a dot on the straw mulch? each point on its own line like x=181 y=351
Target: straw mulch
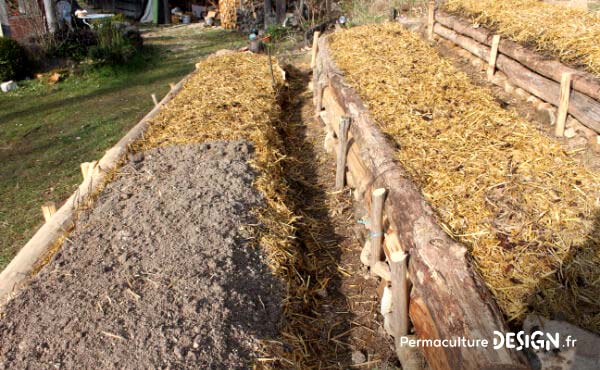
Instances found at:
x=232 y=98
x=526 y=209
x=571 y=34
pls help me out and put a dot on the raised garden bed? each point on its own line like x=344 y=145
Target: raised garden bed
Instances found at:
x=417 y=120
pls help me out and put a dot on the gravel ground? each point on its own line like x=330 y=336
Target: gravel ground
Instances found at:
x=158 y=274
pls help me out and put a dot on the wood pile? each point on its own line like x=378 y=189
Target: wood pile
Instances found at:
x=228 y=13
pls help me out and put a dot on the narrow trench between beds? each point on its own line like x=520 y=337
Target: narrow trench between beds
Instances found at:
x=342 y=327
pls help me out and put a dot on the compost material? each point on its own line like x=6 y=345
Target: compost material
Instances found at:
x=526 y=209
x=569 y=33
x=160 y=273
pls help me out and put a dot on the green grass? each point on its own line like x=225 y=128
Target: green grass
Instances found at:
x=47 y=131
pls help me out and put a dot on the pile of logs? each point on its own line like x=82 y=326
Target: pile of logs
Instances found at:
x=228 y=13
x=429 y=275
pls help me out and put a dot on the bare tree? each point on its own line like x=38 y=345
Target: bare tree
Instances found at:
x=50 y=11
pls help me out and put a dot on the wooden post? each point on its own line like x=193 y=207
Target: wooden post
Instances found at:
x=319 y=104
x=342 y=151
x=430 y=20
x=493 y=56
x=400 y=295
x=87 y=168
x=154 y=100
x=563 y=104
x=48 y=209
x=315 y=45
x=378 y=197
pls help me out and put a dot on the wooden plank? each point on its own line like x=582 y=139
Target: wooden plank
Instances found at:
x=451 y=298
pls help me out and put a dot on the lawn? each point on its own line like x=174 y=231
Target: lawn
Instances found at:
x=46 y=131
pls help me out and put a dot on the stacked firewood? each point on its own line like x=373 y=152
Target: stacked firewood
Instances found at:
x=228 y=13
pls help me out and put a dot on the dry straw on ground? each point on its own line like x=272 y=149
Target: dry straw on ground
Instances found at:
x=232 y=98
x=527 y=210
x=571 y=34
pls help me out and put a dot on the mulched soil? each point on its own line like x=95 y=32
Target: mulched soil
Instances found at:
x=347 y=326
x=160 y=273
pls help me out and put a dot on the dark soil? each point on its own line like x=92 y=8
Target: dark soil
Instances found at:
x=159 y=274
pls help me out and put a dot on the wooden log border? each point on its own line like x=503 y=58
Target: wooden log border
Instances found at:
x=15 y=274
x=527 y=69
x=448 y=298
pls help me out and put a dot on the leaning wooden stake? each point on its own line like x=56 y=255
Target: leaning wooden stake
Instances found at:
x=48 y=210
x=378 y=197
x=563 y=104
x=315 y=46
x=340 y=174
x=430 y=20
x=399 y=269
x=85 y=169
x=493 y=56
x=154 y=99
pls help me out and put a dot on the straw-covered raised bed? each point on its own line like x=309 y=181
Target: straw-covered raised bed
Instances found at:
x=526 y=210
x=568 y=33
x=233 y=99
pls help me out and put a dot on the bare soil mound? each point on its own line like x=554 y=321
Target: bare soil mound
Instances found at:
x=160 y=273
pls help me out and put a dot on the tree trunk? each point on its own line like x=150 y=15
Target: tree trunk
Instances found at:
x=50 y=10
x=268 y=12
x=280 y=9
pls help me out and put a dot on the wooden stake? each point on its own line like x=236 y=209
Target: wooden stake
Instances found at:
x=87 y=168
x=430 y=20
x=342 y=151
x=378 y=197
x=319 y=104
x=493 y=56
x=400 y=297
x=315 y=45
x=48 y=209
x=382 y=270
x=563 y=104
x=154 y=99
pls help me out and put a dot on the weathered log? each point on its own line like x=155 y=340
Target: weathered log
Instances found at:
x=448 y=299
x=583 y=82
x=581 y=106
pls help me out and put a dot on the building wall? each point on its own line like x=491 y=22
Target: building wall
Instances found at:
x=22 y=19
